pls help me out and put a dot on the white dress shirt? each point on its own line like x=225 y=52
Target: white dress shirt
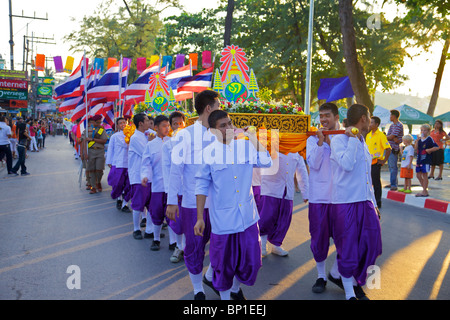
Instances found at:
x=5 y=131
x=166 y=158
x=232 y=206
x=151 y=166
x=186 y=160
x=117 y=154
x=351 y=164
x=273 y=185
x=138 y=141
x=256 y=179
x=320 y=180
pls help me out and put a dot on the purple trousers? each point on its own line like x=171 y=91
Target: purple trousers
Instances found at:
x=118 y=180
x=320 y=230
x=275 y=218
x=141 y=196
x=194 y=251
x=235 y=255
x=357 y=236
x=158 y=204
x=257 y=196
x=176 y=225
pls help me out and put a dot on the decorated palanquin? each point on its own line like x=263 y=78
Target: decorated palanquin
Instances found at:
x=237 y=87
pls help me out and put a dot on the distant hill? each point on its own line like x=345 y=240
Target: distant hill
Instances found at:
x=391 y=101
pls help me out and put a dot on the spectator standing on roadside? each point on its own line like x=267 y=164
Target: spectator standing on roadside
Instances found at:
x=424 y=146
x=5 y=147
x=437 y=158
x=394 y=136
x=380 y=149
x=23 y=137
x=33 y=143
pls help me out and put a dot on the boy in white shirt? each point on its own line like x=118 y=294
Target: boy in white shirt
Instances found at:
x=277 y=200
x=406 y=170
x=151 y=168
x=318 y=153
x=354 y=221
x=140 y=194
x=226 y=176
x=186 y=160
x=176 y=237
x=117 y=160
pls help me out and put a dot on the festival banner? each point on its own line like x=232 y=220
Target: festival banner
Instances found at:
x=111 y=62
x=40 y=62
x=167 y=62
x=99 y=64
x=69 y=64
x=58 y=64
x=179 y=62
x=193 y=57
x=141 y=64
x=153 y=59
x=206 y=59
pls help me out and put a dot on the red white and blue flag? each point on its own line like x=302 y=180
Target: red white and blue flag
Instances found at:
x=201 y=81
x=74 y=84
x=108 y=85
x=141 y=84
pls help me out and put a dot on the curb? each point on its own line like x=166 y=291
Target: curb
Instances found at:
x=411 y=199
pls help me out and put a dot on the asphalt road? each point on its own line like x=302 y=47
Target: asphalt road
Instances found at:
x=58 y=242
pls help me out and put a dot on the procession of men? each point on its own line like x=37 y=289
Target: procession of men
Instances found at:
x=213 y=183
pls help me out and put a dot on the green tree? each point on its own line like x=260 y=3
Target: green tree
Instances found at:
x=129 y=30
x=430 y=19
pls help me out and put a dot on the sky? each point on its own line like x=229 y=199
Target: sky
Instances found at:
x=421 y=70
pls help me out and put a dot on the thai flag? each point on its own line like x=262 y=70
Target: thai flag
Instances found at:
x=69 y=104
x=74 y=84
x=108 y=85
x=201 y=81
x=141 y=84
x=174 y=77
x=108 y=113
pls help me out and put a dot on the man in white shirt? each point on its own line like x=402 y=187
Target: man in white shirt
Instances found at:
x=151 y=168
x=186 y=160
x=176 y=237
x=140 y=194
x=5 y=147
x=226 y=176
x=277 y=200
x=117 y=160
x=318 y=153
x=353 y=219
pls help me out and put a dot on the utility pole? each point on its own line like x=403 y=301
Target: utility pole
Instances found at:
x=11 y=38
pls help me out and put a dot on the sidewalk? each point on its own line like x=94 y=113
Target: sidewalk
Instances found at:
x=439 y=191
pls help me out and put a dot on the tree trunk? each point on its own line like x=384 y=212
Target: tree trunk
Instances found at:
x=437 y=83
x=354 y=69
x=228 y=24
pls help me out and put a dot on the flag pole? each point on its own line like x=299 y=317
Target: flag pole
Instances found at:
x=190 y=70
x=83 y=67
x=308 y=63
x=120 y=85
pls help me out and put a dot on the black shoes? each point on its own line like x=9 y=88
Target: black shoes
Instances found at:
x=137 y=235
x=156 y=245
x=238 y=296
x=200 y=296
x=359 y=292
x=210 y=284
x=319 y=286
x=119 y=204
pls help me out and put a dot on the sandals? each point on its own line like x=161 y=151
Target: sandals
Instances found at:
x=422 y=195
x=438 y=178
